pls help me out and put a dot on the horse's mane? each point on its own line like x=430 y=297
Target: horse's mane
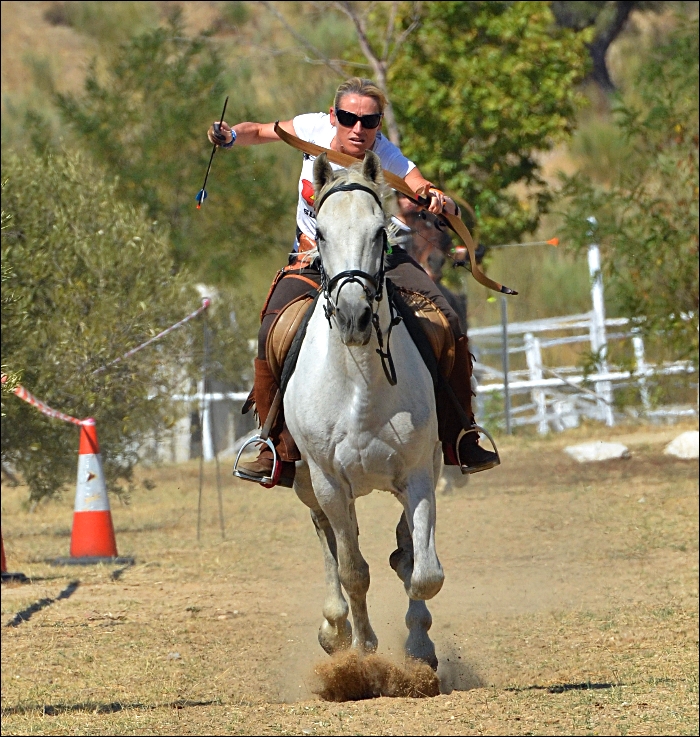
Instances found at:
x=353 y=174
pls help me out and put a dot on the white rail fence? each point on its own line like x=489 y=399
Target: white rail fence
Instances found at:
x=560 y=396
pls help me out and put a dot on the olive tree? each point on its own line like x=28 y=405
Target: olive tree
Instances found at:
x=92 y=278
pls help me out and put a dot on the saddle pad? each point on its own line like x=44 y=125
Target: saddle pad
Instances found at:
x=282 y=332
x=435 y=326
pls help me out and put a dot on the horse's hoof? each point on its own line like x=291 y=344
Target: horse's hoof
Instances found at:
x=368 y=646
x=331 y=639
x=402 y=562
x=421 y=648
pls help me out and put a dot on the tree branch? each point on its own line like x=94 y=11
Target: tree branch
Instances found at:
x=599 y=47
x=331 y=63
x=389 y=30
x=415 y=22
x=378 y=66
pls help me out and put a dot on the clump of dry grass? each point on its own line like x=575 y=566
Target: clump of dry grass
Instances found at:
x=349 y=676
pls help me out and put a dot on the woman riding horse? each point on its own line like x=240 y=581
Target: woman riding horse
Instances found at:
x=351 y=126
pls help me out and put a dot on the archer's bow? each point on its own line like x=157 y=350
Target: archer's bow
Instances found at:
x=395 y=182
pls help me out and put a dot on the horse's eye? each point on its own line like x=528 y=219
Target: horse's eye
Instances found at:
x=319 y=235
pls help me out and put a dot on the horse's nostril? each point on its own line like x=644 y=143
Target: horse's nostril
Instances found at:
x=342 y=320
x=365 y=317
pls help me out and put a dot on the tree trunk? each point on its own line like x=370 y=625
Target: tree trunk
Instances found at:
x=598 y=48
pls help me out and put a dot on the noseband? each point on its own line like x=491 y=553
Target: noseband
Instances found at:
x=373 y=293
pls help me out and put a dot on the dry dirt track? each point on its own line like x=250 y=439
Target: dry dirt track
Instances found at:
x=570 y=606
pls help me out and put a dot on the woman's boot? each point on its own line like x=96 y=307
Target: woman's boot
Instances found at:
x=470 y=457
x=264 y=390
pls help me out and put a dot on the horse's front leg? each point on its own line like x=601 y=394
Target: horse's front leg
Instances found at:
x=427 y=575
x=353 y=570
x=417 y=565
x=335 y=632
x=418 y=619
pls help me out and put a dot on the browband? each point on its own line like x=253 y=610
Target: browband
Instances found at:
x=348 y=187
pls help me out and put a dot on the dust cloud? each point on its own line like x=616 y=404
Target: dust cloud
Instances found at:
x=349 y=676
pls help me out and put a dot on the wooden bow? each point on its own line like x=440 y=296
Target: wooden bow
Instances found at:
x=395 y=182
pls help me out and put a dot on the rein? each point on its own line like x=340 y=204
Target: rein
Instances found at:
x=395 y=182
x=373 y=294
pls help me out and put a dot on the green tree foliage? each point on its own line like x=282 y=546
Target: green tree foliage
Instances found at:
x=93 y=278
x=11 y=320
x=648 y=216
x=145 y=118
x=479 y=89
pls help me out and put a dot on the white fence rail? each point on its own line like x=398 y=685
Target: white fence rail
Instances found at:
x=552 y=407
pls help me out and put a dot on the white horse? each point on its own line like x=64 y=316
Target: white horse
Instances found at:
x=355 y=431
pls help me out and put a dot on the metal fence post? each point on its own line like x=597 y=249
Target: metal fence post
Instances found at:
x=599 y=341
x=207 y=428
x=505 y=360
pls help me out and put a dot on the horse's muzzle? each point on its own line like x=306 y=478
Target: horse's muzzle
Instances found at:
x=354 y=322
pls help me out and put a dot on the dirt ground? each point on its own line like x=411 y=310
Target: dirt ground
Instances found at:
x=570 y=605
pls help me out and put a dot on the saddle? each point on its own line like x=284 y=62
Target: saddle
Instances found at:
x=432 y=321
x=282 y=332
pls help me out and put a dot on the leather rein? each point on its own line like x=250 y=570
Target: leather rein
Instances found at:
x=397 y=183
x=373 y=293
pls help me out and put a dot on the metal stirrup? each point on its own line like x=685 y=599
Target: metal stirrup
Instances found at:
x=264 y=437
x=266 y=481
x=476 y=429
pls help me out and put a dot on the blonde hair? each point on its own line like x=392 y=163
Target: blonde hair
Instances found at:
x=362 y=87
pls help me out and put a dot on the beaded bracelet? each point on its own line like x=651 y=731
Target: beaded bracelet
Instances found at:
x=232 y=141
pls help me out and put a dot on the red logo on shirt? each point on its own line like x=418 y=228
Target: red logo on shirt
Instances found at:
x=307 y=192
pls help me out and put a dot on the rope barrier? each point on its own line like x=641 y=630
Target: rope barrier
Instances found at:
x=128 y=354
x=44 y=408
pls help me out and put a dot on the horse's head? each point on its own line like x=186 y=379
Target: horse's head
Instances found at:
x=351 y=242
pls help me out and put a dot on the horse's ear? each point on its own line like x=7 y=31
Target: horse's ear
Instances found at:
x=372 y=167
x=323 y=172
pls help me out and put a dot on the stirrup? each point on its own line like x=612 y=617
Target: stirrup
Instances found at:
x=476 y=429
x=267 y=481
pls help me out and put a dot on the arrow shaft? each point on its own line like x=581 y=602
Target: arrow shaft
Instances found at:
x=519 y=245
x=213 y=151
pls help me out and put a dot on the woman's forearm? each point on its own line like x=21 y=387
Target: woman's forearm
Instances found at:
x=253 y=134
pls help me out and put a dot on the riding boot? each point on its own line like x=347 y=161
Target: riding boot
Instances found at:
x=470 y=456
x=264 y=391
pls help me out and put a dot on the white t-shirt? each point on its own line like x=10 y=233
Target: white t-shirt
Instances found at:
x=316 y=128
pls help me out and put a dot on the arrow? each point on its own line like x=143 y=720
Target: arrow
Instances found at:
x=202 y=194
x=550 y=242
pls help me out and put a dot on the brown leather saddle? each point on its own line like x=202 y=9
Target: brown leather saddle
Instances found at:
x=431 y=319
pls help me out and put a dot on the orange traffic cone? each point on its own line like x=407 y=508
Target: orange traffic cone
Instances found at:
x=92 y=537
x=3 y=567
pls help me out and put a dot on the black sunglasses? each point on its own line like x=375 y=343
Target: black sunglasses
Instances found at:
x=348 y=120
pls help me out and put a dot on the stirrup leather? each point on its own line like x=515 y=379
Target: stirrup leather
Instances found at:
x=267 y=481
x=476 y=429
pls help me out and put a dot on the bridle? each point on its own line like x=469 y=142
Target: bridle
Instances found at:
x=374 y=293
